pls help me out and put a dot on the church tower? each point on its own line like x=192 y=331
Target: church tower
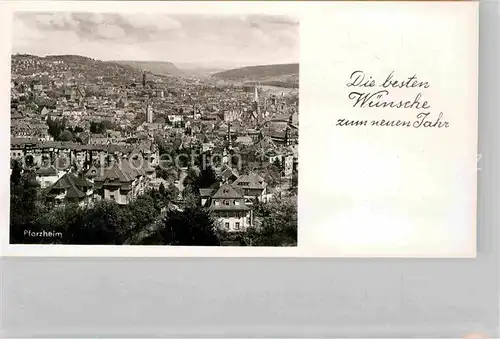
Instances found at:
x=144 y=79
x=256 y=104
x=256 y=95
x=149 y=113
x=229 y=134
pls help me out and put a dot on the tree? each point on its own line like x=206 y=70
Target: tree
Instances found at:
x=191 y=198
x=99 y=127
x=191 y=181
x=94 y=127
x=171 y=193
x=105 y=224
x=274 y=175
x=142 y=211
x=64 y=219
x=25 y=207
x=66 y=135
x=107 y=125
x=15 y=177
x=206 y=178
x=278 y=224
x=162 y=189
x=277 y=163
x=167 y=173
x=191 y=227
x=158 y=199
x=295 y=179
x=195 y=180
x=56 y=126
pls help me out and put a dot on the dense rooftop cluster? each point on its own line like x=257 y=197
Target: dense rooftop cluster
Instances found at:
x=111 y=126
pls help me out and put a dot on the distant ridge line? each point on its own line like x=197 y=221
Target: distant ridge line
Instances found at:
x=281 y=75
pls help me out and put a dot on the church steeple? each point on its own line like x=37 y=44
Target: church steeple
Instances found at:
x=149 y=112
x=257 y=104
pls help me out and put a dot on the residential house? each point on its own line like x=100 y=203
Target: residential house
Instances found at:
x=70 y=189
x=207 y=193
x=92 y=173
x=16 y=149
x=228 y=174
x=229 y=207
x=175 y=118
x=252 y=186
x=274 y=158
x=244 y=140
x=288 y=168
x=142 y=158
x=207 y=147
x=47 y=176
x=99 y=139
x=122 y=182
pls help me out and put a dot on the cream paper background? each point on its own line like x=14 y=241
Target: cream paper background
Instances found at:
x=363 y=191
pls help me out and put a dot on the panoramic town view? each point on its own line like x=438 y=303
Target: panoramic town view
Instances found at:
x=148 y=129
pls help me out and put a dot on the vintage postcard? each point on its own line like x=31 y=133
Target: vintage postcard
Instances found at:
x=173 y=129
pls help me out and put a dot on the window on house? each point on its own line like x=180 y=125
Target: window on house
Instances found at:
x=237 y=226
x=236 y=202
x=112 y=196
x=226 y=225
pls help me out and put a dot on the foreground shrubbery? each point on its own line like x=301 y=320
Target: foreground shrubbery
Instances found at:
x=149 y=220
x=103 y=223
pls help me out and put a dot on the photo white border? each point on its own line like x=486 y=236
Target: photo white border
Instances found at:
x=295 y=9
x=175 y=7
x=309 y=298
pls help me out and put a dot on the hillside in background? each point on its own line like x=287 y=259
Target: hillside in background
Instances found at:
x=202 y=68
x=201 y=72
x=76 y=67
x=157 y=67
x=284 y=75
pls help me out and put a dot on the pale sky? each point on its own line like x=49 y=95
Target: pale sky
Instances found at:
x=227 y=40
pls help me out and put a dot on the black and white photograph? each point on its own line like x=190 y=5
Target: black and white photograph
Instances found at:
x=154 y=129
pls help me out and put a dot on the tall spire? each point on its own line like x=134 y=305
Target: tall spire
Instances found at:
x=194 y=105
x=149 y=112
x=257 y=104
